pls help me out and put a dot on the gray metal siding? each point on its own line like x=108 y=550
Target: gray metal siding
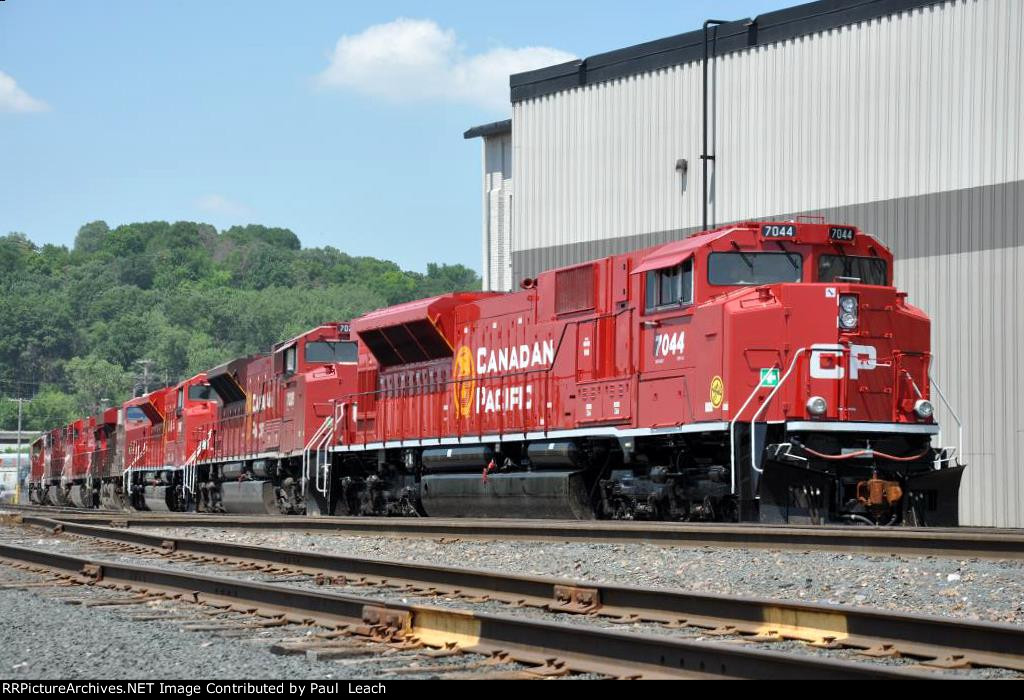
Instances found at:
x=497 y=211
x=908 y=126
x=923 y=102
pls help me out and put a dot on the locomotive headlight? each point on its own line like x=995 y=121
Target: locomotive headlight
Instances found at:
x=817 y=406
x=924 y=409
x=848 y=312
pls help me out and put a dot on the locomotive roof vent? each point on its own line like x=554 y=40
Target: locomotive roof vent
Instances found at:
x=417 y=331
x=228 y=379
x=574 y=289
x=406 y=343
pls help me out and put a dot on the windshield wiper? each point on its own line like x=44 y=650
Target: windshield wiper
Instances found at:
x=744 y=257
x=793 y=258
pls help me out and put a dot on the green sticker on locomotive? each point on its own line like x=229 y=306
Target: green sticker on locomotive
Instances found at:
x=770 y=377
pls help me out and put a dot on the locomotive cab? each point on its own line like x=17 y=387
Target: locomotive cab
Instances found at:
x=70 y=482
x=144 y=467
x=187 y=406
x=274 y=408
x=107 y=460
x=816 y=365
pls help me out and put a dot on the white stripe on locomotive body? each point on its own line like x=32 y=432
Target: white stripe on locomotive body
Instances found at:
x=710 y=427
x=850 y=427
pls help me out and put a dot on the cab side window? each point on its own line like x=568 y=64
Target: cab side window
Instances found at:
x=670 y=287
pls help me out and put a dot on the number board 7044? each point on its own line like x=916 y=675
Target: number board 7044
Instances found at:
x=778 y=231
x=841 y=234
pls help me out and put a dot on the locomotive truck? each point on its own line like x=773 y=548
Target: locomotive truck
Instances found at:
x=766 y=371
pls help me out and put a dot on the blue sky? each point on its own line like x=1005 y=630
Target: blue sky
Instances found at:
x=340 y=121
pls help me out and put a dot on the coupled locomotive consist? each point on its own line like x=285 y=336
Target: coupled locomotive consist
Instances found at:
x=760 y=372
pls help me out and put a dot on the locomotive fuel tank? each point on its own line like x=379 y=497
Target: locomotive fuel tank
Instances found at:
x=546 y=494
x=250 y=497
x=473 y=458
x=158 y=498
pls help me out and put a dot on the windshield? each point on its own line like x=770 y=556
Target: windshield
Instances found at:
x=331 y=351
x=849 y=268
x=200 y=392
x=134 y=413
x=746 y=269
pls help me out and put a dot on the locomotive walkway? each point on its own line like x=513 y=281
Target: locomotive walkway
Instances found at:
x=550 y=645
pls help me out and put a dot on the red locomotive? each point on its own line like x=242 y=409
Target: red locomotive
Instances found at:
x=162 y=442
x=251 y=455
x=762 y=371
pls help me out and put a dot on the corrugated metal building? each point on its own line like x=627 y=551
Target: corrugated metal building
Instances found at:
x=903 y=117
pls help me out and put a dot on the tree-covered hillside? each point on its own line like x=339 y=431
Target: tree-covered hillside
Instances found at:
x=77 y=326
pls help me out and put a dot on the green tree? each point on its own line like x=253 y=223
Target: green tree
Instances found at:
x=446 y=278
x=91 y=236
x=97 y=383
x=274 y=237
x=9 y=414
x=180 y=294
x=51 y=408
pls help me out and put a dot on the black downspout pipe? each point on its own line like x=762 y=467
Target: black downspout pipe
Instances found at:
x=705 y=157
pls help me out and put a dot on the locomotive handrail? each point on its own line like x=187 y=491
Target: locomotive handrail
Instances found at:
x=322 y=469
x=188 y=469
x=736 y=417
x=956 y=417
x=323 y=430
x=767 y=401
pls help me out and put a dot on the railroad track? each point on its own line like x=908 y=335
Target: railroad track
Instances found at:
x=961 y=542
x=928 y=642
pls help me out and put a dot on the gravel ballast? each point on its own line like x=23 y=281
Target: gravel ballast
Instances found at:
x=46 y=639
x=78 y=649
x=976 y=589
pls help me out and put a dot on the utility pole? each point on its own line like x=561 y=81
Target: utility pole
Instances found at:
x=145 y=374
x=21 y=478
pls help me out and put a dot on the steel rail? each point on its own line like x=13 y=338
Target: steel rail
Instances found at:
x=958 y=542
x=580 y=648
x=928 y=637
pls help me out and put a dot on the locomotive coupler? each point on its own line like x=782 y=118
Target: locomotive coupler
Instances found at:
x=879 y=496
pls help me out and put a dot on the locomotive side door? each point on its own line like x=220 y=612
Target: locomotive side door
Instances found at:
x=174 y=427
x=286 y=391
x=666 y=354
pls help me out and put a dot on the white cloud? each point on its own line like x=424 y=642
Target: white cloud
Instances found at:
x=14 y=99
x=415 y=59
x=221 y=206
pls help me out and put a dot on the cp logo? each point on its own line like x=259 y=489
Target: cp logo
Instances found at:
x=464 y=375
x=862 y=358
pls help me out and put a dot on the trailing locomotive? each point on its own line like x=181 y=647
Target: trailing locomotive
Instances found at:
x=761 y=371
